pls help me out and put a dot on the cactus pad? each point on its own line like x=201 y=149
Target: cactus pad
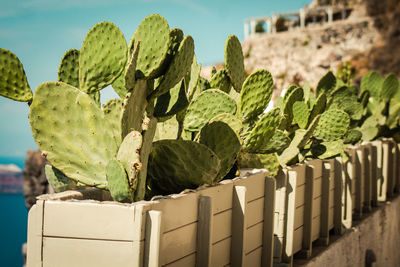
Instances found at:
x=68 y=71
x=289 y=91
x=262 y=132
x=133 y=109
x=171 y=102
x=102 y=57
x=352 y=136
x=170 y=169
x=178 y=68
x=167 y=129
x=319 y=107
x=13 y=82
x=194 y=78
x=58 y=181
x=154 y=36
x=372 y=81
x=326 y=84
x=370 y=128
x=221 y=139
x=327 y=150
x=112 y=110
x=277 y=143
x=71 y=130
x=296 y=95
x=301 y=114
x=118 y=184
x=234 y=62
x=390 y=87
x=256 y=94
x=233 y=121
x=364 y=98
x=128 y=156
x=333 y=125
x=221 y=81
x=205 y=107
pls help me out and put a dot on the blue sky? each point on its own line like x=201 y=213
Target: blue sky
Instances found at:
x=40 y=31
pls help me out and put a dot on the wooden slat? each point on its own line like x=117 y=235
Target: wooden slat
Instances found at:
x=387 y=166
x=297 y=239
x=153 y=239
x=280 y=214
x=366 y=174
x=397 y=164
x=254 y=258
x=373 y=152
x=221 y=253
x=359 y=181
x=68 y=252
x=35 y=234
x=204 y=231
x=222 y=226
x=298 y=217
x=239 y=203
x=292 y=174
x=325 y=204
x=187 y=261
x=316 y=230
x=300 y=193
x=253 y=238
x=348 y=173
x=219 y=194
x=255 y=212
x=96 y=221
x=381 y=183
x=254 y=184
x=178 y=243
x=308 y=213
x=268 y=223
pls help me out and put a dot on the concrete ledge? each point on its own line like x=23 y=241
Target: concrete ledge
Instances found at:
x=373 y=241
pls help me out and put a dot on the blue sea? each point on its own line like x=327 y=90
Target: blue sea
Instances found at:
x=13 y=222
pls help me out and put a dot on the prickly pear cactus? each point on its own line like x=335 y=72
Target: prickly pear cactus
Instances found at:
x=205 y=107
x=154 y=36
x=333 y=125
x=117 y=182
x=234 y=62
x=68 y=71
x=278 y=142
x=57 y=180
x=233 y=121
x=300 y=114
x=372 y=81
x=72 y=132
x=112 y=110
x=171 y=170
x=102 y=58
x=255 y=94
x=390 y=87
x=226 y=148
x=326 y=84
x=13 y=82
x=221 y=81
x=262 y=132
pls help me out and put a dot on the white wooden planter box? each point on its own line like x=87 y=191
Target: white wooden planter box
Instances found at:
x=228 y=224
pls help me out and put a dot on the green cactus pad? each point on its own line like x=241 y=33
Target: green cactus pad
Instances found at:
x=112 y=110
x=171 y=102
x=178 y=68
x=390 y=87
x=301 y=114
x=68 y=71
x=221 y=81
x=118 y=184
x=370 y=128
x=128 y=156
x=102 y=57
x=326 y=84
x=130 y=70
x=326 y=150
x=133 y=109
x=234 y=62
x=233 y=121
x=291 y=152
x=352 y=136
x=262 y=132
x=277 y=143
x=351 y=106
x=176 y=36
x=221 y=139
x=319 y=107
x=154 y=36
x=364 y=98
x=57 y=180
x=167 y=129
x=205 y=107
x=288 y=92
x=256 y=94
x=203 y=84
x=175 y=165
x=296 y=95
x=394 y=114
x=333 y=125
x=13 y=82
x=372 y=81
x=194 y=78
x=72 y=131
